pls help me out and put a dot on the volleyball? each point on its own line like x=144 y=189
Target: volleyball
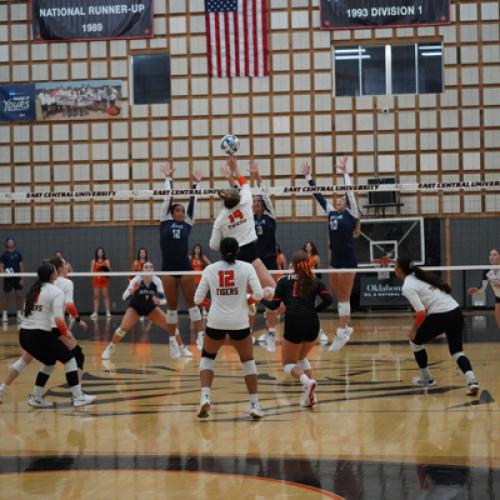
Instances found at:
x=230 y=144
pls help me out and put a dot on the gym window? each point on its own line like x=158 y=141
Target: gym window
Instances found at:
x=150 y=82
x=389 y=69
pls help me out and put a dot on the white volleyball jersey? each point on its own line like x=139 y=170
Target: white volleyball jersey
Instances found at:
x=67 y=288
x=236 y=222
x=228 y=284
x=423 y=296
x=49 y=305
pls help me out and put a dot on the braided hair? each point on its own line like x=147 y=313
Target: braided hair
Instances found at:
x=306 y=281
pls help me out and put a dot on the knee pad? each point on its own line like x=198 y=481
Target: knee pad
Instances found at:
x=288 y=368
x=120 y=333
x=205 y=354
x=344 y=308
x=172 y=316
x=457 y=355
x=304 y=364
x=70 y=366
x=249 y=367
x=415 y=347
x=207 y=364
x=79 y=356
x=19 y=365
x=194 y=313
x=48 y=369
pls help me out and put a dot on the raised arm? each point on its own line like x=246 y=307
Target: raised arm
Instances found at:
x=195 y=180
x=306 y=172
x=215 y=238
x=351 y=199
x=266 y=199
x=165 y=213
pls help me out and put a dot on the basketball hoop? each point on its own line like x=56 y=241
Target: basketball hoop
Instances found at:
x=383 y=263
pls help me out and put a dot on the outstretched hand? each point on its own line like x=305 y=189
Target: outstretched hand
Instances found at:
x=233 y=165
x=226 y=172
x=342 y=164
x=306 y=169
x=167 y=169
x=197 y=176
x=254 y=170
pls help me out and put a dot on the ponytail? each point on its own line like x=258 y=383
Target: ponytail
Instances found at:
x=306 y=282
x=229 y=249
x=433 y=279
x=44 y=272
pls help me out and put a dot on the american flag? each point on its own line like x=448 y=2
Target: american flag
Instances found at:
x=237 y=37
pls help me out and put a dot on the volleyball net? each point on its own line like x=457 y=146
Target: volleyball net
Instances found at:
x=448 y=227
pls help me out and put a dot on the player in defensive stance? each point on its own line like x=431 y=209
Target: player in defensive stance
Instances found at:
x=67 y=287
x=298 y=292
x=146 y=293
x=227 y=281
x=45 y=305
x=342 y=223
x=436 y=312
x=493 y=278
x=175 y=227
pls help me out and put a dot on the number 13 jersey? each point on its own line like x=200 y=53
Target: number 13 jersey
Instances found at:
x=228 y=285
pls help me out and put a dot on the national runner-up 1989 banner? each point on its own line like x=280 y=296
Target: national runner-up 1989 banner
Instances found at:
x=55 y=20
x=351 y=14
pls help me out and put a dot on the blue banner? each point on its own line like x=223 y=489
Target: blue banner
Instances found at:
x=17 y=103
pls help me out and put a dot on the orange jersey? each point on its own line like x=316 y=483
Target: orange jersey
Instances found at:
x=197 y=265
x=136 y=267
x=100 y=281
x=312 y=262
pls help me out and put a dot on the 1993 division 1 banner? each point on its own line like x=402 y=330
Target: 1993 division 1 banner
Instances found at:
x=350 y=14
x=55 y=20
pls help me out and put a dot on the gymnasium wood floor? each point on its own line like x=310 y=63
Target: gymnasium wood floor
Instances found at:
x=372 y=436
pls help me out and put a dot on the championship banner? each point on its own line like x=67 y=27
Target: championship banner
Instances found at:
x=55 y=20
x=17 y=103
x=352 y=14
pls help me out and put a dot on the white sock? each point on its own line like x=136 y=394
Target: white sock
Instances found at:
x=38 y=391
x=470 y=377
x=271 y=331
x=173 y=340
x=254 y=399
x=3 y=387
x=425 y=373
x=200 y=333
x=304 y=378
x=205 y=393
x=76 y=390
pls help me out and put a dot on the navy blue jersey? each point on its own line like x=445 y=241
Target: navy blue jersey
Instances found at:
x=174 y=236
x=11 y=261
x=265 y=227
x=341 y=226
x=142 y=297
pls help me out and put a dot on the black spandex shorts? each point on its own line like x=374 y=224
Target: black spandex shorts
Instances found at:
x=216 y=334
x=143 y=310
x=300 y=329
x=248 y=252
x=44 y=346
x=12 y=284
x=497 y=300
x=343 y=261
x=450 y=323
